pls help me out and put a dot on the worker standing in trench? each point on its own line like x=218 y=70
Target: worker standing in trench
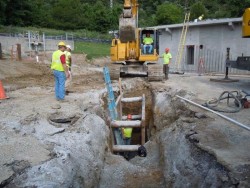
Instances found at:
x=60 y=70
x=127 y=134
x=69 y=64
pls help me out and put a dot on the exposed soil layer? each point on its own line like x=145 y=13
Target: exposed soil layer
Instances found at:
x=46 y=143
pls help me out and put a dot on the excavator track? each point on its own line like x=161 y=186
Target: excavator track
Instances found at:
x=155 y=73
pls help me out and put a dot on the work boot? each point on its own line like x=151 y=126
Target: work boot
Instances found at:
x=62 y=100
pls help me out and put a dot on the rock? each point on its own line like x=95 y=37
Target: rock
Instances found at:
x=188 y=120
x=56 y=106
x=200 y=115
x=57 y=131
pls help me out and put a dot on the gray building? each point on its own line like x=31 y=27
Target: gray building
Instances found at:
x=213 y=36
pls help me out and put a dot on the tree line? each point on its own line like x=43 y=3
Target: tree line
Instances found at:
x=99 y=16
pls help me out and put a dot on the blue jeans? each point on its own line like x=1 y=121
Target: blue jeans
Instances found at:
x=60 y=79
x=147 y=46
x=127 y=141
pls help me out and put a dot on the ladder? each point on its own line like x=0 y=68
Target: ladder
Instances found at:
x=120 y=121
x=112 y=105
x=182 y=41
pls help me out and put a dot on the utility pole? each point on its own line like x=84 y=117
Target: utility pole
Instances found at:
x=111 y=3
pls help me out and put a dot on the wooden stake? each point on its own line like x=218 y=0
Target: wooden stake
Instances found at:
x=19 y=55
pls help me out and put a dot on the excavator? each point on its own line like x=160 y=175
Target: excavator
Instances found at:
x=128 y=57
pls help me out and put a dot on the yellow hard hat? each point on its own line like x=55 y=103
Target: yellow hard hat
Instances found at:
x=61 y=44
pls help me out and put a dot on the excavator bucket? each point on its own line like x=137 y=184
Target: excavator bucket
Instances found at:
x=127 y=29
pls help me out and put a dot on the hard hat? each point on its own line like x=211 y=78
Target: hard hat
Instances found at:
x=61 y=44
x=129 y=116
x=68 y=46
x=167 y=50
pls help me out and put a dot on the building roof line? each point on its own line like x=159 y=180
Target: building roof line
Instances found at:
x=202 y=23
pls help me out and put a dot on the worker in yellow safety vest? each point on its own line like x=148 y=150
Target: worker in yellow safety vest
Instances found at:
x=60 y=70
x=127 y=132
x=167 y=60
x=200 y=17
x=69 y=64
x=148 y=43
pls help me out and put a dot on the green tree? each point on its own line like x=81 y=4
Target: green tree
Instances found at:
x=18 y=12
x=41 y=13
x=2 y=12
x=197 y=9
x=100 y=17
x=169 y=13
x=67 y=14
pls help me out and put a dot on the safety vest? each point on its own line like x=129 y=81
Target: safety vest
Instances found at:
x=56 y=61
x=148 y=40
x=68 y=54
x=127 y=132
x=167 y=57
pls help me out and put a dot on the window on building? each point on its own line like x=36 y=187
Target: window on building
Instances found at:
x=190 y=55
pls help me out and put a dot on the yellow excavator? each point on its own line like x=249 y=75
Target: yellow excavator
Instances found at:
x=129 y=55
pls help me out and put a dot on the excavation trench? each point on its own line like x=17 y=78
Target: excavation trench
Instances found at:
x=176 y=158
x=183 y=145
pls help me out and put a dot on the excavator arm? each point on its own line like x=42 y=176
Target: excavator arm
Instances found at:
x=128 y=21
x=246 y=24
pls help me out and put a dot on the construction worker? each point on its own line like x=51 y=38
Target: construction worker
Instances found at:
x=60 y=70
x=127 y=132
x=68 y=63
x=200 y=17
x=167 y=60
x=148 y=43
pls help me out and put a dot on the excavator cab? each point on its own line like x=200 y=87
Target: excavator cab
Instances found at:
x=147 y=36
x=149 y=52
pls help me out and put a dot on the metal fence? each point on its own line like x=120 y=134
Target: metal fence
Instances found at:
x=214 y=61
x=66 y=36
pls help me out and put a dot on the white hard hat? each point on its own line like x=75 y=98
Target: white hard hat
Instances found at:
x=68 y=46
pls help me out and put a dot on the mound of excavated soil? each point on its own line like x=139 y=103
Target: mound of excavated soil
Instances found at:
x=46 y=143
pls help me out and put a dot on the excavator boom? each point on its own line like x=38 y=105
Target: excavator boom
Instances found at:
x=128 y=21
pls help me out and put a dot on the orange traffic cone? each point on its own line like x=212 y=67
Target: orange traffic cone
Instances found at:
x=2 y=92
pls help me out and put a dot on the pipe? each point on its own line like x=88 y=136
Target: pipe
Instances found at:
x=132 y=99
x=219 y=114
x=134 y=117
x=122 y=148
x=133 y=124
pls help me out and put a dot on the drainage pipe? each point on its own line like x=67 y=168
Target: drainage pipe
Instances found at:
x=219 y=114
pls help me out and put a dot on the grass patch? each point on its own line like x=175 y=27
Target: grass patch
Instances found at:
x=93 y=50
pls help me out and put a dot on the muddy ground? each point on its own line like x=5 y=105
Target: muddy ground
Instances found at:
x=187 y=146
